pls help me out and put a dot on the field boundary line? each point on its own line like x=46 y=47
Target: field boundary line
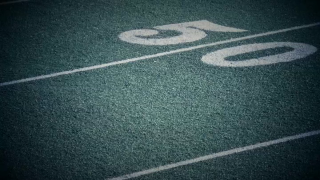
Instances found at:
x=13 y=2
x=217 y=155
x=154 y=55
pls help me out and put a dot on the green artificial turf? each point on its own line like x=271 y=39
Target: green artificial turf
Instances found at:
x=118 y=120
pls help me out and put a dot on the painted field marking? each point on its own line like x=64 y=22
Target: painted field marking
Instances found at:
x=13 y=2
x=218 y=58
x=217 y=155
x=189 y=32
x=155 y=55
x=195 y=30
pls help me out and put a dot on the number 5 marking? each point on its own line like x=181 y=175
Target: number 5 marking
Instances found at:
x=218 y=58
x=190 y=32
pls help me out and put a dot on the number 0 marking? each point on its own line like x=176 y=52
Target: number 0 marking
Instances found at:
x=190 y=31
x=299 y=51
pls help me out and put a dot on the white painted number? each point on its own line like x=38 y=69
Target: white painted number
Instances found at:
x=190 y=32
x=194 y=31
x=218 y=58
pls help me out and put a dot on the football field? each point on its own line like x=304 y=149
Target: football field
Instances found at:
x=171 y=89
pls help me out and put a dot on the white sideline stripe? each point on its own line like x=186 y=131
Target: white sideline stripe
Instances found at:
x=12 y=2
x=154 y=55
x=216 y=155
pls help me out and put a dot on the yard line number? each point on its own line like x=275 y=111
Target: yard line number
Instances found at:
x=195 y=30
x=190 y=32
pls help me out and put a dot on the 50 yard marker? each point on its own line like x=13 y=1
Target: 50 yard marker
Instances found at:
x=154 y=55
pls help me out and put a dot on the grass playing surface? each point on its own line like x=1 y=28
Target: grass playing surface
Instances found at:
x=109 y=122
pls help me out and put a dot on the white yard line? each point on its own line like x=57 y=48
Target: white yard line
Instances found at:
x=154 y=55
x=217 y=155
x=13 y=2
